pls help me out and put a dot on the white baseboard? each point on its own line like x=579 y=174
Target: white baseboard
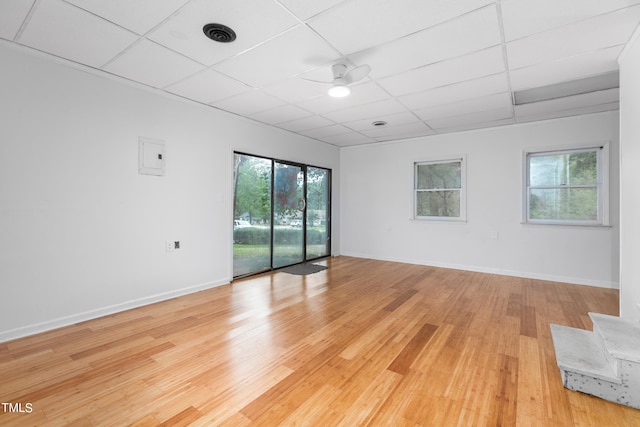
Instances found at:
x=105 y=311
x=502 y=272
x=60 y=322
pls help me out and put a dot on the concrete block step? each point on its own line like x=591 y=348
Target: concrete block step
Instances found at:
x=620 y=338
x=579 y=351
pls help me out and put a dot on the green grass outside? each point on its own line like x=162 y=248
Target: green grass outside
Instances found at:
x=251 y=251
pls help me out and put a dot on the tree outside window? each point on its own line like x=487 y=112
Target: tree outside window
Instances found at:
x=566 y=187
x=438 y=190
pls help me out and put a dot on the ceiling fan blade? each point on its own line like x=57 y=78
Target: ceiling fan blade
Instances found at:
x=317 y=81
x=357 y=74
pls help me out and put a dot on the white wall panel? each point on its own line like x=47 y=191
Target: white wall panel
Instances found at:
x=84 y=234
x=630 y=180
x=376 y=192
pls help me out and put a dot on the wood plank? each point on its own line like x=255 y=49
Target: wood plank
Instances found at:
x=400 y=300
x=185 y=418
x=364 y=342
x=506 y=400
x=528 y=324
x=402 y=363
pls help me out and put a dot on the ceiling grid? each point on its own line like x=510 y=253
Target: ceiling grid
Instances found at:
x=436 y=67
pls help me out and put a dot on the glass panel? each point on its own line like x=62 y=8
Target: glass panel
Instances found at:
x=266 y=236
x=287 y=215
x=577 y=168
x=317 y=212
x=564 y=204
x=251 y=215
x=438 y=203
x=438 y=175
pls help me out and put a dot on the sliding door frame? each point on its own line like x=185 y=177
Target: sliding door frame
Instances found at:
x=304 y=168
x=328 y=218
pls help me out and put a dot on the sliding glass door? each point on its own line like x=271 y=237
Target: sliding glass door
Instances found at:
x=318 y=184
x=281 y=214
x=251 y=215
x=288 y=210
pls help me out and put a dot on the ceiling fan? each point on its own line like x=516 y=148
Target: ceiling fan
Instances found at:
x=343 y=78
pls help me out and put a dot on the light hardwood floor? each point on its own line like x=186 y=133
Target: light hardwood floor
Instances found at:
x=362 y=343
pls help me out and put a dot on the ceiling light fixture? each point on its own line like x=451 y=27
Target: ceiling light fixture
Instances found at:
x=343 y=78
x=219 y=33
x=339 y=91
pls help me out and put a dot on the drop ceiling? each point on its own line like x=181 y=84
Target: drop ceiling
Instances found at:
x=437 y=66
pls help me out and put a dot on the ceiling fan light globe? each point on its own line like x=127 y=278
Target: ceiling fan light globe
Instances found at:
x=339 y=91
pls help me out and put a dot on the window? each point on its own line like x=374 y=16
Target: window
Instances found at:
x=439 y=190
x=567 y=186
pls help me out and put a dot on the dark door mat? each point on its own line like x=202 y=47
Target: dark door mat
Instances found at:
x=302 y=269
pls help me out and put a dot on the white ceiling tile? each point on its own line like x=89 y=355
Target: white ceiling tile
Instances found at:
x=348 y=139
x=305 y=9
x=491 y=102
x=324 y=72
x=406 y=130
x=566 y=69
x=441 y=60
x=248 y=103
x=307 y=123
x=568 y=102
x=183 y=33
x=280 y=114
x=364 y=93
x=296 y=90
x=468 y=33
x=375 y=109
x=287 y=55
x=471 y=119
x=475 y=65
x=74 y=34
x=477 y=88
x=546 y=115
x=152 y=64
x=359 y=24
x=525 y=17
x=475 y=126
x=208 y=86
x=585 y=36
x=139 y=16
x=12 y=14
x=325 y=131
x=392 y=120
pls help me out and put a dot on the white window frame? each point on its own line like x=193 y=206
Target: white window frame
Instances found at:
x=462 y=190
x=602 y=185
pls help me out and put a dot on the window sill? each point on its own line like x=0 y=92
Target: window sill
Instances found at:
x=438 y=220
x=561 y=224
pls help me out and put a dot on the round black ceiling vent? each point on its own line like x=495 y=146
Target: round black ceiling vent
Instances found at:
x=219 y=33
x=379 y=123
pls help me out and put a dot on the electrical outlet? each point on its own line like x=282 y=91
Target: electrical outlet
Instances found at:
x=170 y=246
x=176 y=244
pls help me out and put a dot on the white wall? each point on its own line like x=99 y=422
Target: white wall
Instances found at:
x=83 y=234
x=630 y=180
x=377 y=205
